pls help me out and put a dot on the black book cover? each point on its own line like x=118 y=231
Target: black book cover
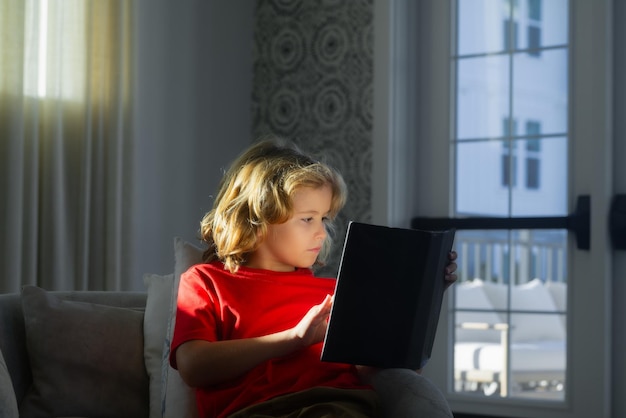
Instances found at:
x=388 y=296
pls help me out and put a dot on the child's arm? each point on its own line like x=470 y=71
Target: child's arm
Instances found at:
x=204 y=363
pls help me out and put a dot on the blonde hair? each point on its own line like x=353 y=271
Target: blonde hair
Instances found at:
x=257 y=191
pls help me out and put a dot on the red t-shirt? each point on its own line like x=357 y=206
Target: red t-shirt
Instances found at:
x=214 y=305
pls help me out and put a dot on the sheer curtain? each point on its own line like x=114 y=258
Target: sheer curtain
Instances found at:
x=64 y=143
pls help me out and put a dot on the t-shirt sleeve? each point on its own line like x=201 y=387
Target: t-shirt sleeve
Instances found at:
x=195 y=311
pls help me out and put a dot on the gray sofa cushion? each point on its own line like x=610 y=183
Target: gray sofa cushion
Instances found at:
x=79 y=365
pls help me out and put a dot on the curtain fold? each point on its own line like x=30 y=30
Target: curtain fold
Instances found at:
x=65 y=104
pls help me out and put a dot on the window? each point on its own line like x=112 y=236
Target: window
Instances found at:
x=533 y=155
x=510 y=34
x=511 y=293
x=509 y=157
x=534 y=40
x=510 y=27
x=534 y=28
x=534 y=9
x=509 y=168
x=532 y=173
x=448 y=142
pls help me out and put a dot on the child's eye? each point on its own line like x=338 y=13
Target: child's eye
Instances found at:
x=325 y=220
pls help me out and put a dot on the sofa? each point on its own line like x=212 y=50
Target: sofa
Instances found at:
x=104 y=354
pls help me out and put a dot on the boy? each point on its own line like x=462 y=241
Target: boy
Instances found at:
x=251 y=320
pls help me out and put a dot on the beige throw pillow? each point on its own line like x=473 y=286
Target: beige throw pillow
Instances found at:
x=178 y=399
x=155 y=322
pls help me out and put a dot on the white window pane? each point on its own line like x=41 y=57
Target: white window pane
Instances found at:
x=537 y=356
x=482 y=96
x=549 y=198
x=553 y=22
x=483 y=26
x=498 y=350
x=479 y=179
x=492 y=26
x=543 y=23
x=540 y=86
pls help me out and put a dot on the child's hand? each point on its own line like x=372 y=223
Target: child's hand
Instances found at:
x=312 y=327
x=449 y=275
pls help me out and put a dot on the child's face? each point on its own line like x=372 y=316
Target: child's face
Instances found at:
x=297 y=242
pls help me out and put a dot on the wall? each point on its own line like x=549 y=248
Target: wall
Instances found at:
x=193 y=72
x=619 y=186
x=313 y=69
x=312 y=66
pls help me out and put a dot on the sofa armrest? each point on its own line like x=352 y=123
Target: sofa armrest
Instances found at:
x=8 y=403
x=404 y=393
x=13 y=343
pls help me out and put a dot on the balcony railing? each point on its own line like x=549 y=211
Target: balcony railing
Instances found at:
x=522 y=257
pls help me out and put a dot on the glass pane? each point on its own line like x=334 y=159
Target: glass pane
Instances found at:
x=538 y=256
x=510 y=306
x=537 y=356
x=493 y=26
x=481 y=176
x=482 y=96
x=531 y=172
x=541 y=173
x=479 y=21
x=540 y=90
x=548 y=19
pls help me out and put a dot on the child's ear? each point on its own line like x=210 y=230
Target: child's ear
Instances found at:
x=259 y=235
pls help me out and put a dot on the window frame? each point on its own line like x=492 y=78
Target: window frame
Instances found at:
x=406 y=52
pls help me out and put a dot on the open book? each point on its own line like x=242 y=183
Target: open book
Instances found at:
x=388 y=296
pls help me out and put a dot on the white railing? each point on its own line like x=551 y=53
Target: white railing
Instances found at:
x=489 y=256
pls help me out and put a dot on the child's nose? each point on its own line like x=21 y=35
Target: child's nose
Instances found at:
x=321 y=232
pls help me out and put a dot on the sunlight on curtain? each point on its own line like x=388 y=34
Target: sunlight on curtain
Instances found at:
x=64 y=143
x=58 y=32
